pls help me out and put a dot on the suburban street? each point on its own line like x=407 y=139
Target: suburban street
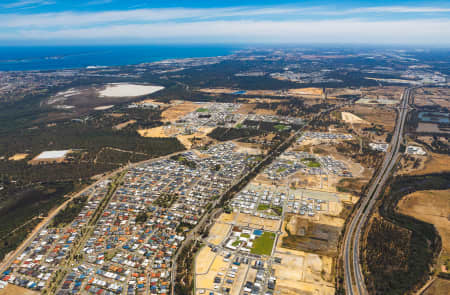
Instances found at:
x=12 y=256
x=354 y=279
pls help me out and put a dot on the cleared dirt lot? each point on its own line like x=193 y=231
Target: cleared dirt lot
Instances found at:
x=206 y=281
x=153 y=132
x=239 y=281
x=435 y=163
x=306 y=91
x=251 y=221
x=178 y=110
x=124 y=124
x=197 y=138
x=439 y=287
x=204 y=260
x=251 y=108
x=247 y=148
x=352 y=119
x=374 y=114
x=15 y=290
x=18 y=157
x=432 y=206
x=303 y=274
x=317 y=236
x=386 y=92
x=218 y=233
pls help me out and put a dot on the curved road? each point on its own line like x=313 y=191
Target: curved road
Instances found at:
x=354 y=280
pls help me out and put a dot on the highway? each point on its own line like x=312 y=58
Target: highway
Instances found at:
x=354 y=279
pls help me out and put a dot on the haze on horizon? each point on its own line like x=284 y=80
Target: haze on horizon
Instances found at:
x=57 y=22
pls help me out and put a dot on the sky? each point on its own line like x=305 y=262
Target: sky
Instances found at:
x=98 y=22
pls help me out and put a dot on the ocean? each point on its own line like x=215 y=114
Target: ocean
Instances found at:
x=68 y=57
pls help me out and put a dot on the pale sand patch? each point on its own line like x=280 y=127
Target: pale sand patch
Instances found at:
x=247 y=148
x=435 y=163
x=179 y=109
x=224 y=217
x=152 y=101
x=201 y=134
x=128 y=90
x=238 y=282
x=432 y=206
x=218 y=90
x=307 y=277
x=16 y=290
x=152 y=132
x=124 y=124
x=306 y=91
x=256 y=222
x=203 y=260
x=250 y=108
x=352 y=119
x=206 y=281
x=18 y=157
x=103 y=108
x=218 y=233
x=116 y=115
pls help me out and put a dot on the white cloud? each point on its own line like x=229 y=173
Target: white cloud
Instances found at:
x=399 y=9
x=27 y=3
x=331 y=31
x=233 y=24
x=80 y=19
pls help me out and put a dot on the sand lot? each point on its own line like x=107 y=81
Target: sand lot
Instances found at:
x=124 y=124
x=153 y=132
x=247 y=148
x=218 y=233
x=200 y=136
x=306 y=91
x=352 y=119
x=439 y=287
x=256 y=222
x=432 y=206
x=204 y=260
x=179 y=109
x=435 y=163
x=239 y=280
x=206 y=281
x=104 y=108
x=128 y=90
x=218 y=90
x=307 y=277
x=250 y=108
x=16 y=290
x=18 y=157
x=377 y=115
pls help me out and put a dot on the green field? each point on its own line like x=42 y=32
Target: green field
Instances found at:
x=201 y=110
x=280 y=127
x=236 y=243
x=263 y=207
x=281 y=169
x=311 y=162
x=277 y=210
x=263 y=245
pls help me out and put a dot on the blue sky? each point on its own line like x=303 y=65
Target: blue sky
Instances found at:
x=49 y=22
